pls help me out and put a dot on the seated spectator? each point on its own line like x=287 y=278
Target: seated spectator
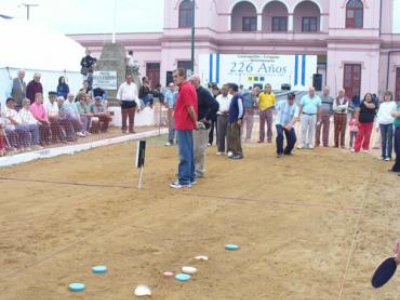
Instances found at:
x=64 y=120
x=94 y=121
x=30 y=123
x=85 y=87
x=157 y=93
x=99 y=92
x=73 y=115
x=16 y=133
x=100 y=111
x=57 y=130
x=39 y=113
x=144 y=92
x=62 y=87
x=3 y=145
x=85 y=113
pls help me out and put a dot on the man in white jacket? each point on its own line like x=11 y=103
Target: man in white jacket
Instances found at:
x=128 y=95
x=385 y=121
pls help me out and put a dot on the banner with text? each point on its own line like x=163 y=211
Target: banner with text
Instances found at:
x=107 y=80
x=252 y=69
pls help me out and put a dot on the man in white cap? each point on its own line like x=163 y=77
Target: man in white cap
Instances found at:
x=310 y=114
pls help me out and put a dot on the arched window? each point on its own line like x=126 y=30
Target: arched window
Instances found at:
x=306 y=17
x=354 y=14
x=186 y=14
x=244 y=17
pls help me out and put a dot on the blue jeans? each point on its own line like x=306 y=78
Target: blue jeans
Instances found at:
x=396 y=167
x=290 y=138
x=31 y=134
x=387 y=140
x=186 y=167
x=171 y=136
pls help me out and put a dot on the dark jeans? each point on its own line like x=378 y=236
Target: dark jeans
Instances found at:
x=45 y=133
x=387 y=140
x=171 y=126
x=234 y=141
x=211 y=134
x=222 y=133
x=290 y=139
x=323 y=126
x=186 y=168
x=147 y=100
x=128 y=113
x=396 y=167
x=57 y=130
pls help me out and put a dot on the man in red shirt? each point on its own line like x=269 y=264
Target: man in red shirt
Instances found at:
x=185 y=115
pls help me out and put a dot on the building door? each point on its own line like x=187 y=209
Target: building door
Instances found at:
x=397 y=84
x=153 y=73
x=352 y=80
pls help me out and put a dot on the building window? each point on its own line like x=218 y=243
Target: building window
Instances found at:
x=186 y=14
x=279 y=24
x=352 y=80
x=309 y=24
x=354 y=14
x=249 y=24
x=185 y=64
x=397 y=94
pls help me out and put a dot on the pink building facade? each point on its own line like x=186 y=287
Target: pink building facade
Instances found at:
x=357 y=41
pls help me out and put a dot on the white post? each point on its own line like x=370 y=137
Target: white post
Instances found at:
x=114 y=21
x=140 y=178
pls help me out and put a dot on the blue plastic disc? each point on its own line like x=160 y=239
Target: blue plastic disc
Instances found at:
x=76 y=287
x=182 y=277
x=99 y=269
x=232 y=247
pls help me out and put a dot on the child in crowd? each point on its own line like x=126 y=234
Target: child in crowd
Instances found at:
x=353 y=129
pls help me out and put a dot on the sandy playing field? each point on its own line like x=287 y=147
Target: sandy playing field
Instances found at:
x=310 y=226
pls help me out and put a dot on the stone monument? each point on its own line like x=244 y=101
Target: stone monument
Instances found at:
x=113 y=59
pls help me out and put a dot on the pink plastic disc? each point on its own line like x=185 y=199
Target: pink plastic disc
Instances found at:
x=168 y=274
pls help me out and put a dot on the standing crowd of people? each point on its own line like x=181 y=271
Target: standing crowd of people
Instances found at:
x=194 y=112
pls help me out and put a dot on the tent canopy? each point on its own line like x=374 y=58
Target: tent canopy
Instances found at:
x=30 y=46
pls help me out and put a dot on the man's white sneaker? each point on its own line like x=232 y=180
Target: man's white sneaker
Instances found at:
x=220 y=153
x=311 y=147
x=168 y=144
x=177 y=185
x=300 y=147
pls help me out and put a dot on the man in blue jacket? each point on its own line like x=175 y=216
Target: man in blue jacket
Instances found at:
x=236 y=113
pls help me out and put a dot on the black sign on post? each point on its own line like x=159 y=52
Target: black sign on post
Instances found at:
x=140 y=159
x=140 y=153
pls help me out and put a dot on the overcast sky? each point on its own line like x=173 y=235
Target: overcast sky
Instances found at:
x=96 y=16
x=90 y=16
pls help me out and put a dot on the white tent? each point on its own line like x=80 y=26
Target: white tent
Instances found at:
x=37 y=49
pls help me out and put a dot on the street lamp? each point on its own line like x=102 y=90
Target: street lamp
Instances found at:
x=28 y=8
x=113 y=38
x=193 y=35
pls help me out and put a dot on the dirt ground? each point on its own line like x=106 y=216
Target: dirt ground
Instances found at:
x=310 y=226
